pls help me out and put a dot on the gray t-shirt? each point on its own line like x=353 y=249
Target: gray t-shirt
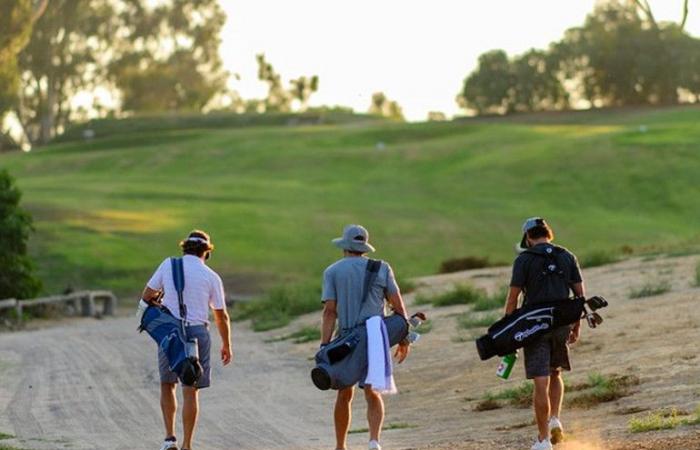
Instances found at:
x=343 y=282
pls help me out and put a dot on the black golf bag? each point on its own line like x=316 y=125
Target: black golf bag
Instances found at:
x=528 y=323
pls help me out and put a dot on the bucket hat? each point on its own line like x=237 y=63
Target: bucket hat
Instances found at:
x=355 y=238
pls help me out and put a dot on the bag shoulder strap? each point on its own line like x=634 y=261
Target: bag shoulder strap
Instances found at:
x=371 y=272
x=179 y=282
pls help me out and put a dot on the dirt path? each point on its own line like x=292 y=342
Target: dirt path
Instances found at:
x=89 y=384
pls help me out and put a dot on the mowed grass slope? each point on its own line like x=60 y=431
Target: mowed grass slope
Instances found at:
x=109 y=210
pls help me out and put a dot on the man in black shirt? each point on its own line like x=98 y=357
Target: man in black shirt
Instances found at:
x=545 y=272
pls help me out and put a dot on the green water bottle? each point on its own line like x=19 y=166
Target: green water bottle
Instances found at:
x=506 y=366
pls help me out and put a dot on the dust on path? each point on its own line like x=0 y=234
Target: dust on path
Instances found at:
x=89 y=384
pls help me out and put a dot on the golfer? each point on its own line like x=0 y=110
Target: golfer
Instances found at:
x=546 y=272
x=343 y=284
x=203 y=290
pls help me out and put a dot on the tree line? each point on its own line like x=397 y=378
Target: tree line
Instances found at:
x=62 y=60
x=620 y=56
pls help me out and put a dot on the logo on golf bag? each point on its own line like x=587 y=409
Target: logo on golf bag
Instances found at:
x=522 y=335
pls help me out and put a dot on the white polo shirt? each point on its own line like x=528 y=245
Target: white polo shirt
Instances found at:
x=203 y=289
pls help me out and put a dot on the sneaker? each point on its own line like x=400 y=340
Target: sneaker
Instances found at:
x=556 y=431
x=542 y=445
x=169 y=444
x=374 y=445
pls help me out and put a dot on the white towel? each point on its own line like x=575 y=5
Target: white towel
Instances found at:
x=379 y=368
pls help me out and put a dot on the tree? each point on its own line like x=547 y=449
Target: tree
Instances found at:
x=382 y=106
x=278 y=98
x=78 y=46
x=16 y=277
x=302 y=88
x=16 y=20
x=486 y=89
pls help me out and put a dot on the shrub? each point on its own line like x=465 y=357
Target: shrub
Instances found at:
x=279 y=306
x=651 y=289
x=17 y=279
x=465 y=263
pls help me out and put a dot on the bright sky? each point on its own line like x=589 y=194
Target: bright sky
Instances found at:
x=417 y=52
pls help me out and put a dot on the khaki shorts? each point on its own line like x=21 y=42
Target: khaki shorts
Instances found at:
x=549 y=353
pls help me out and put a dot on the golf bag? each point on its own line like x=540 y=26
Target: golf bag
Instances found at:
x=529 y=323
x=343 y=362
x=170 y=333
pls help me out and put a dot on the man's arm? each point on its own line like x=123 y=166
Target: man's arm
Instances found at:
x=512 y=299
x=330 y=314
x=150 y=295
x=223 y=324
x=579 y=291
x=399 y=307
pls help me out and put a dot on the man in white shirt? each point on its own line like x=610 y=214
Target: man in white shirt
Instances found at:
x=203 y=290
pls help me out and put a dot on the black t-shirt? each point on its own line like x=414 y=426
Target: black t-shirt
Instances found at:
x=545 y=272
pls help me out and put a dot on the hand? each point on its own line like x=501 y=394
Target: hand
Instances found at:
x=226 y=354
x=574 y=335
x=402 y=351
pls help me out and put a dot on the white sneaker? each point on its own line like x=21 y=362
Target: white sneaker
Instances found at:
x=374 y=445
x=556 y=430
x=169 y=445
x=542 y=445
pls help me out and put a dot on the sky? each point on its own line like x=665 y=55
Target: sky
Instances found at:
x=417 y=52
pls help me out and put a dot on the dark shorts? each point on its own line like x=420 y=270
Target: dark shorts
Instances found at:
x=550 y=352
x=200 y=332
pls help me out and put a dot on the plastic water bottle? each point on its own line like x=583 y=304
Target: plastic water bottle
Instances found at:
x=506 y=366
x=415 y=321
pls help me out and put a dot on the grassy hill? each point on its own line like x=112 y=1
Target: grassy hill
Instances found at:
x=108 y=211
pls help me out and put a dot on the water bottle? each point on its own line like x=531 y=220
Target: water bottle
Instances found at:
x=506 y=366
x=414 y=322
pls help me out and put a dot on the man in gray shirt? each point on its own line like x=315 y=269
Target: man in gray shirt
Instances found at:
x=343 y=284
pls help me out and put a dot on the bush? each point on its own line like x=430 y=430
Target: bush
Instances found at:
x=17 y=279
x=280 y=306
x=461 y=294
x=465 y=263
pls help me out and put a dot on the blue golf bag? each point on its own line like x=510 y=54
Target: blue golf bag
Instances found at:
x=170 y=334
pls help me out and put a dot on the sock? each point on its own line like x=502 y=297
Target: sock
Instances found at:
x=171 y=438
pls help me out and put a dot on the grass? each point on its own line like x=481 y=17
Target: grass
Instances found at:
x=461 y=294
x=492 y=301
x=108 y=211
x=469 y=320
x=598 y=258
x=663 y=420
x=5 y=436
x=697 y=275
x=386 y=427
x=597 y=389
x=600 y=388
x=301 y=336
x=650 y=289
x=279 y=306
x=520 y=396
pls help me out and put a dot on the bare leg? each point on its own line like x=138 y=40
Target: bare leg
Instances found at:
x=541 y=401
x=375 y=413
x=168 y=405
x=556 y=392
x=190 y=411
x=342 y=416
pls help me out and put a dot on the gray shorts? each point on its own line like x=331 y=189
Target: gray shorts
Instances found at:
x=550 y=352
x=200 y=332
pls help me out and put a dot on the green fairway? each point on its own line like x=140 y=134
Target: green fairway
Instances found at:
x=107 y=211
